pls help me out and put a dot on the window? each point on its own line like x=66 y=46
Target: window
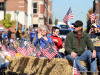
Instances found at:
x=1 y=6
x=35 y=8
x=64 y=32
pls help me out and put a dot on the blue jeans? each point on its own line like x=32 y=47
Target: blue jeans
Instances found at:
x=86 y=56
x=4 y=65
x=22 y=39
x=60 y=55
x=98 y=57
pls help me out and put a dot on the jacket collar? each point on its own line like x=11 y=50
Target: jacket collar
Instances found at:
x=77 y=36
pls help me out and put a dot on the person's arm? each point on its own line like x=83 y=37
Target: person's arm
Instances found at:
x=36 y=42
x=89 y=43
x=91 y=46
x=59 y=42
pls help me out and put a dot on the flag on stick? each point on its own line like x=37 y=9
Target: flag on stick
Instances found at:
x=11 y=50
x=37 y=51
x=75 y=69
x=21 y=49
x=69 y=15
x=93 y=16
x=51 y=52
x=4 y=48
x=28 y=49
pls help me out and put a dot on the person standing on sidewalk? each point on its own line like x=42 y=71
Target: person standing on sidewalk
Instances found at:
x=9 y=34
x=32 y=35
x=75 y=45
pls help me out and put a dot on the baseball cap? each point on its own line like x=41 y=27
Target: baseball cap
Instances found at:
x=78 y=23
x=94 y=25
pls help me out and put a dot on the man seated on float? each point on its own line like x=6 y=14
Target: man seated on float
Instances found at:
x=75 y=45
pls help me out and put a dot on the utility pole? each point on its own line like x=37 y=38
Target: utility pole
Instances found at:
x=17 y=12
x=4 y=8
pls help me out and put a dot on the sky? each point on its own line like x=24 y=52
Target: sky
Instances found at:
x=79 y=8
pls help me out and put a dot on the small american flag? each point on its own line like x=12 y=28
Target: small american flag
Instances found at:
x=4 y=48
x=75 y=69
x=37 y=50
x=92 y=16
x=69 y=15
x=51 y=52
x=11 y=50
x=21 y=49
x=28 y=49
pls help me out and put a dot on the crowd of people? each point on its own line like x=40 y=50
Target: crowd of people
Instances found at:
x=77 y=45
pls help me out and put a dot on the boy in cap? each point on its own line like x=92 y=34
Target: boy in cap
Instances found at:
x=75 y=45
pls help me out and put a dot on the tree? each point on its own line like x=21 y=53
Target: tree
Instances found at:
x=90 y=11
x=56 y=21
x=7 y=21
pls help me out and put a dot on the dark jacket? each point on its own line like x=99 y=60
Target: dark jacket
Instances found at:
x=9 y=34
x=72 y=40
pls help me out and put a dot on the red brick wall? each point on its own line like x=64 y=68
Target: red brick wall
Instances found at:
x=13 y=5
x=42 y=9
x=1 y=0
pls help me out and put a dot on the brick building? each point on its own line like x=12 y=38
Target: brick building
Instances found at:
x=42 y=12
x=12 y=6
x=31 y=12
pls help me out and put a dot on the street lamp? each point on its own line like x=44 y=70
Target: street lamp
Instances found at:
x=17 y=12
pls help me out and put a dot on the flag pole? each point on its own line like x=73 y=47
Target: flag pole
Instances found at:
x=73 y=66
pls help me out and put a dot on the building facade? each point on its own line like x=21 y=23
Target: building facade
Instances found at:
x=42 y=13
x=31 y=12
x=12 y=6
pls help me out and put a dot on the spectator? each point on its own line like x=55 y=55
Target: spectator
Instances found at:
x=93 y=35
x=42 y=37
x=32 y=35
x=4 y=60
x=9 y=34
x=18 y=33
x=75 y=45
x=5 y=37
x=1 y=37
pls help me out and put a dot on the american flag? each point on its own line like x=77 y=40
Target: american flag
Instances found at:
x=4 y=48
x=28 y=49
x=37 y=50
x=11 y=50
x=75 y=69
x=51 y=52
x=21 y=49
x=92 y=16
x=69 y=15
